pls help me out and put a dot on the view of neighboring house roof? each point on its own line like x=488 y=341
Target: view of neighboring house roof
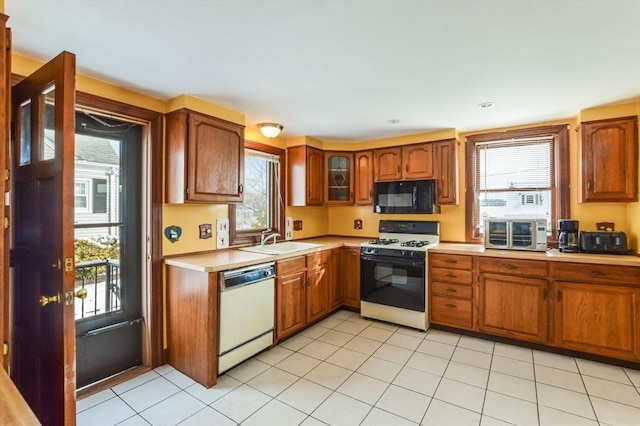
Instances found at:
x=88 y=148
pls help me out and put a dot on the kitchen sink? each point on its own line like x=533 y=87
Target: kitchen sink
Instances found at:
x=281 y=248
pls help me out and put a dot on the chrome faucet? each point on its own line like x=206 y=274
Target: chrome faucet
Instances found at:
x=265 y=236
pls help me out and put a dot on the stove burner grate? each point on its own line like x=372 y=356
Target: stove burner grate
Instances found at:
x=384 y=241
x=414 y=243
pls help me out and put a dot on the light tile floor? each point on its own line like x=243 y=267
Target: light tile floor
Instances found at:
x=347 y=370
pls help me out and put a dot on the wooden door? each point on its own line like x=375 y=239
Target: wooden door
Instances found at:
x=609 y=160
x=350 y=268
x=513 y=306
x=43 y=357
x=598 y=319
x=446 y=171
x=364 y=178
x=417 y=161
x=291 y=305
x=315 y=167
x=386 y=164
x=5 y=120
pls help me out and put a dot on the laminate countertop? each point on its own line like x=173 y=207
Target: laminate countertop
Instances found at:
x=222 y=260
x=549 y=255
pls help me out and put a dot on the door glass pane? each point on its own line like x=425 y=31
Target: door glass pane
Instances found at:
x=47 y=145
x=338 y=178
x=98 y=224
x=24 y=117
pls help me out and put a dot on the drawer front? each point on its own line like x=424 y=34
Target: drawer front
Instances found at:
x=455 y=276
x=588 y=272
x=295 y=264
x=454 y=312
x=530 y=268
x=454 y=261
x=451 y=290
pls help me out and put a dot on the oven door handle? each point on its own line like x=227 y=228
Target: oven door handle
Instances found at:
x=394 y=260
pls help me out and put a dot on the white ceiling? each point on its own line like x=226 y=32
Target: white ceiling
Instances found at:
x=339 y=70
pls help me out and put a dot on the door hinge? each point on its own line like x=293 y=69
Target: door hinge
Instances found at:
x=6 y=222
x=7 y=174
x=5 y=348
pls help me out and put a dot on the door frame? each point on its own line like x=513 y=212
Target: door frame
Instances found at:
x=153 y=351
x=152 y=295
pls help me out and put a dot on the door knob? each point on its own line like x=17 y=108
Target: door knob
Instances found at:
x=82 y=293
x=45 y=300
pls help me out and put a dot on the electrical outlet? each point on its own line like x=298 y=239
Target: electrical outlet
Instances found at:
x=357 y=224
x=222 y=241
x=205 y=231
x=297 y=225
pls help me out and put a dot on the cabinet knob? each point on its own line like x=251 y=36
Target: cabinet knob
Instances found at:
x=398 y=168
x=241 y=188
x=589 y=186
x=406 y=167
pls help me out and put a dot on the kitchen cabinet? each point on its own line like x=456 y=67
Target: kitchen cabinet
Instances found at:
x=204 y=159
x=410 y=162
x=608 y=160
x=350 y=277
x=597 y=309
x=451 y=290
x=364 y=178
x=335 y=287
x=305 y=176
x=291 y=296
x=192 y=323
x=318 y=284
x=512 y=298
x=338 y=178
x=445 y=164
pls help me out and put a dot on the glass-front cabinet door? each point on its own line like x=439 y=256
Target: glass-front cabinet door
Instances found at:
x=339 y=180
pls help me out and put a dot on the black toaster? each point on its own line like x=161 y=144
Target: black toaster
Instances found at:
x=603 y=242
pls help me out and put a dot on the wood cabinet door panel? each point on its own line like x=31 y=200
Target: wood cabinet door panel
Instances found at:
x=387 y=164
x=609 y=160
x=291 y=306
x=453 y=312
x=513 y=306
x=315 y=176
x=317 y=292
x=417 y=161
x=350 y=268
x=364 y=178
x=446 y=171
x=338 y=178
x=603 y=320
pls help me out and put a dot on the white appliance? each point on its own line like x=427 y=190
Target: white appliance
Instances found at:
x=246 y=313
x=393 y=272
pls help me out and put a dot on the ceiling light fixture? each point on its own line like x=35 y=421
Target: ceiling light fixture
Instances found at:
x=486 y=105
x=393 y=121
x=270 y=130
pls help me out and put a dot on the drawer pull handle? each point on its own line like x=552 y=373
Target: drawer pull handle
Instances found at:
x=510 y=266
x=597 y=273
x=451 y=261
x=450 y=305
x=452 y=290
x=450 y=275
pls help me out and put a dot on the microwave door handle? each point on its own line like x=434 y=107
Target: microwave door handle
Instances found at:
x=415 y=196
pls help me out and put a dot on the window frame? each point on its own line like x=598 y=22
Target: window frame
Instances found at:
x=560 y=180
x=240 y=237
x=88 y=194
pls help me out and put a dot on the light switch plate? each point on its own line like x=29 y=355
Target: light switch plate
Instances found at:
x=288 y=228
x=222 y=225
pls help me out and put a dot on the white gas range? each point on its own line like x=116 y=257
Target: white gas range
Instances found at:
x=393 y=272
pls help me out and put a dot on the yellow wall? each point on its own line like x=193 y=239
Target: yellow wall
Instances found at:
x=339 y=220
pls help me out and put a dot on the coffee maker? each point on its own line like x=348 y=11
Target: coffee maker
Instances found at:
x=568 y=241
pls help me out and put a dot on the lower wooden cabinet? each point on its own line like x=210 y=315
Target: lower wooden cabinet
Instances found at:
x=451 y=290
x=318 y=284
x=597 y=310
x=291 y=296
x=350 y=277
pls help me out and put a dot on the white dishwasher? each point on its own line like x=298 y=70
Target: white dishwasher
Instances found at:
x=246 y=313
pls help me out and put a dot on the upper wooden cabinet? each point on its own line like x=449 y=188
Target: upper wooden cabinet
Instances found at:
x=204 y=159
x=609 y=160
x=445 y=165
x=364 y=178
x=410 y=162
x=338 y=178
x=305 y=166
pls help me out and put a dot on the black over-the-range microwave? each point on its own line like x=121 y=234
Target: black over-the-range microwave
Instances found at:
x=411 y=196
